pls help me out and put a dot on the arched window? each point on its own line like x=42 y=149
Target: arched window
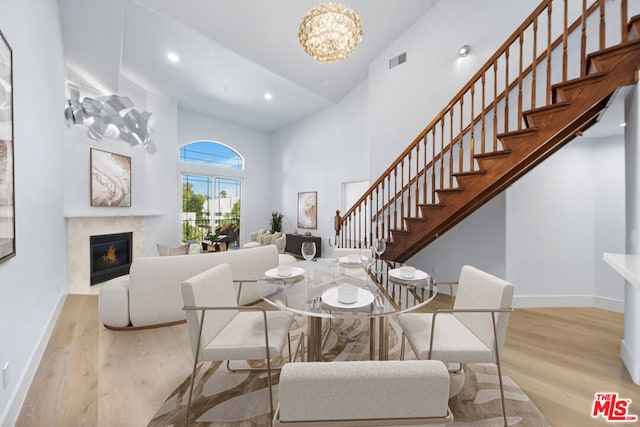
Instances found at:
x=211 y=153
x=210 y=197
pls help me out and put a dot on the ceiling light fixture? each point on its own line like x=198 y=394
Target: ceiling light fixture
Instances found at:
x=464 y=50
x=171 y=56
x=330 y=32
x=623 y=124
x=267 y=96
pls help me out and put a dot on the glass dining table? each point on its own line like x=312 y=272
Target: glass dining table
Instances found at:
x=316 y=289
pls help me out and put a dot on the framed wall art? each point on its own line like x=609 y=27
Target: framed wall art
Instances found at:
x=308 y=210
x=7 y=187
x=110 y=179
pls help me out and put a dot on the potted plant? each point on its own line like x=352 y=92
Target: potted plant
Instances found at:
x=213 y=238
x=276 y=222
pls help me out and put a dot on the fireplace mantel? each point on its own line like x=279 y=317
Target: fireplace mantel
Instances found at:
x=103 y=214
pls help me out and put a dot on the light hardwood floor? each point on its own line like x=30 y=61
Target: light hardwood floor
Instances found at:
x=91 y=376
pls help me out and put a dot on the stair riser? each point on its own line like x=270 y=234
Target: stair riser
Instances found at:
x=540 y=118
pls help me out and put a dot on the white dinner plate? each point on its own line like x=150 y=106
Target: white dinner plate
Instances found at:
x=420 y=275
x=295 y=272
x=345 y=260
x=330 y=297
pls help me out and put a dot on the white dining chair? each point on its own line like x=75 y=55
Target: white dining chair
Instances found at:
x=473 y=331
x=221 y=330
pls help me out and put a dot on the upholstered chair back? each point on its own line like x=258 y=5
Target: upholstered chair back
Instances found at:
x=480 y=290
x=212 y=288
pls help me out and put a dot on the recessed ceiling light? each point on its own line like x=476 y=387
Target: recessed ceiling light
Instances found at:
x=267 y=96
x=173 y=57
x=464 y=50
x=623 y=124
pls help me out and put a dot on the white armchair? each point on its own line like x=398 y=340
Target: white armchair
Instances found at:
x=473 y=331
x=221 y=330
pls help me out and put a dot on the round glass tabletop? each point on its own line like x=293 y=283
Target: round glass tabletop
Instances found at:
x=330 y=288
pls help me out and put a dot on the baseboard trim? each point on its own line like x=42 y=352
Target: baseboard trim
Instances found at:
x=633 y=366
x=542 y=301
x=14 y=405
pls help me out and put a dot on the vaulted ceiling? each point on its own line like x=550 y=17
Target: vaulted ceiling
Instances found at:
x=231 y=52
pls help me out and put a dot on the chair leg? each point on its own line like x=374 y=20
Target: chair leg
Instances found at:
x=270 y=391
x=193 y=380
x=402 y=347
x=504 y=406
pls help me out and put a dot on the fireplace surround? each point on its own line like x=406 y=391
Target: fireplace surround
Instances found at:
x=79 y=230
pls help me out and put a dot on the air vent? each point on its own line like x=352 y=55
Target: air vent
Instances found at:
x=397 y=60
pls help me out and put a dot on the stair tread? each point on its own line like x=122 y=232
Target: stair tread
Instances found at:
x=560 y=105
x=587 y=79
x=471 y=173
x=415 y=218
x=449 y=190
x=432 y=205
x=513 y=133
x=619 y=46
x=498 y=153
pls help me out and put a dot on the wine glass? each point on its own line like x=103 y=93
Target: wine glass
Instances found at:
x=379 y=246
x=366 y=257
x=334 y=242
x=308 y=252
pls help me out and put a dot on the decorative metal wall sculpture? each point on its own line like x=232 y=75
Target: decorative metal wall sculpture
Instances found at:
x=114 y=110
x=7 y=188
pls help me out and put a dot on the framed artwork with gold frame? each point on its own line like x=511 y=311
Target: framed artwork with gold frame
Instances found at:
x=110 y=179
x=308 y=210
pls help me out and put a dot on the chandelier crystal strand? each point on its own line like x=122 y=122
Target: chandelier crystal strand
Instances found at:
x=330 y=32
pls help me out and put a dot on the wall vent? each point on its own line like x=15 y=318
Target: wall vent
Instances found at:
x=397 y=60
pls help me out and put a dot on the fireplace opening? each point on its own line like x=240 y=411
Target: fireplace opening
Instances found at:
x=111 y=256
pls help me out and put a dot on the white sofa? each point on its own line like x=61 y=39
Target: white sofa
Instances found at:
x=150 y=294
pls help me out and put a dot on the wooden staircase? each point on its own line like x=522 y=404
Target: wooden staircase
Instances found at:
x=445 y=175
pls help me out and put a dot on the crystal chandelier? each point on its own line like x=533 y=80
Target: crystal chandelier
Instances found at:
x=330 y=32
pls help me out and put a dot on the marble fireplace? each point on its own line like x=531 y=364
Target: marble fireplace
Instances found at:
x=79 y=232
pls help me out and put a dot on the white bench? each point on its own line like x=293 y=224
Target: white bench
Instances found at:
x=363 y=393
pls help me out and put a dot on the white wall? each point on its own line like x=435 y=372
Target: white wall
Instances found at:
x=561 y=217
x=254 y=146
x=478 y=240
x=403 y=100
x=630 y=348
x=319 y=153
x=608 y=178
x=32 y=284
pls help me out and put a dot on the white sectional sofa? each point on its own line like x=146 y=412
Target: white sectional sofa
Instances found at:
x=150 y=295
